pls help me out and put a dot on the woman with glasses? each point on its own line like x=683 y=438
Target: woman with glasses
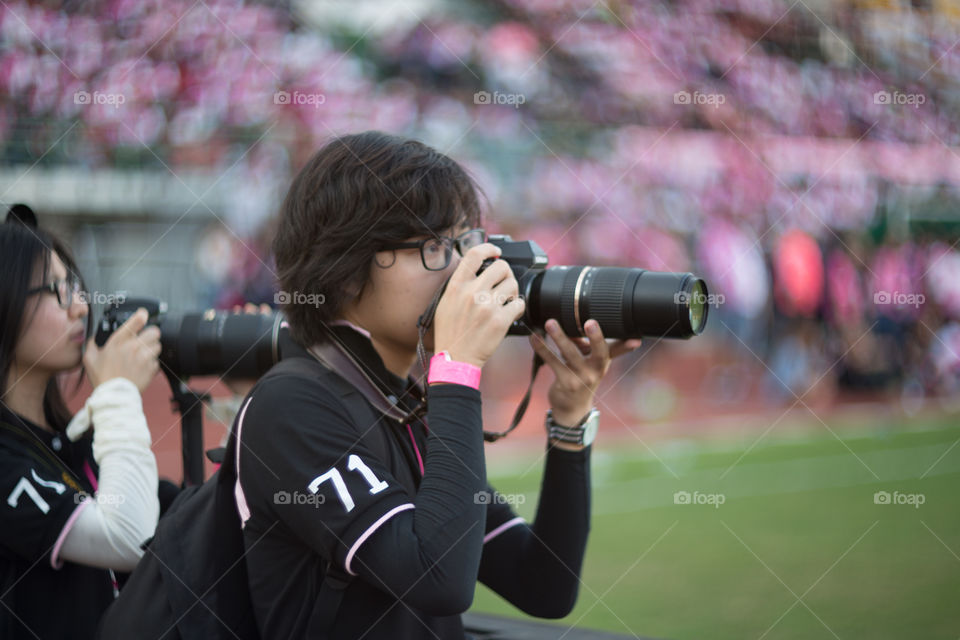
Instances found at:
x=78 y=495
x=381 y=527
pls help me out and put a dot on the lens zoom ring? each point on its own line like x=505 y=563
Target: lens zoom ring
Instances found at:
x=604 y=296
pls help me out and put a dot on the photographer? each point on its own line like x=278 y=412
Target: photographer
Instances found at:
x=376 y=225
x=78 y=496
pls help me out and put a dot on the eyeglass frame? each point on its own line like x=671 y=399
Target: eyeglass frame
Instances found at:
x=74 y=288
x=449 y=244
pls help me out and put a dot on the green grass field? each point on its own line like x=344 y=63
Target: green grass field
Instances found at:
x=798 y=549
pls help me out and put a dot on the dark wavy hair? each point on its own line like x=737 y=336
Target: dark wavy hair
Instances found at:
x=23 y=249
x=356 y=194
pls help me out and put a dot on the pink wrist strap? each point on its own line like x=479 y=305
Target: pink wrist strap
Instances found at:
x=443 y=369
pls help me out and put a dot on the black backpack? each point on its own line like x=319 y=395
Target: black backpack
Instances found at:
x=191 y=583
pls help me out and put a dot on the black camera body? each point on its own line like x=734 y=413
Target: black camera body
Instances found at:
x=119 y=312
x=627 y=302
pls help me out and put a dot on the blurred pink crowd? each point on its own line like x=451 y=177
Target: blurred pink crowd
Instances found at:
x=770 y=148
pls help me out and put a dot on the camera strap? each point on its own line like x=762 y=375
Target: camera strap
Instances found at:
x=423 y=325
x=335 y=356
x=493 y=436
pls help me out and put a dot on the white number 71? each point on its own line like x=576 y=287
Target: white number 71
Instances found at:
x=354 y=463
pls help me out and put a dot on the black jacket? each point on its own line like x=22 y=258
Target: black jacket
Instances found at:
x=415 y=530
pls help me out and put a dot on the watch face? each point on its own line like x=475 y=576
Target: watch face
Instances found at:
x=590 y=428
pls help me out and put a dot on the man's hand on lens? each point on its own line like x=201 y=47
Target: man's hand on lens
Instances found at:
x=579 y=367
x=475 y=312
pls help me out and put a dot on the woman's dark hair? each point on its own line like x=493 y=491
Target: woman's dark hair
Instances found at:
x=22 y=249
x=356 y=194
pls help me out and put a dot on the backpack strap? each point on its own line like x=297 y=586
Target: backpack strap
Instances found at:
x=335 y=583
x=336 y=580
x=356 y=402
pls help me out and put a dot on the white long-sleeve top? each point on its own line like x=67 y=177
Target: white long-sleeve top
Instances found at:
x=108 y=528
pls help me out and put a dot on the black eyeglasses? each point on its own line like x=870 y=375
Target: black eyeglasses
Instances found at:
x=435 y=253
x=65 y=290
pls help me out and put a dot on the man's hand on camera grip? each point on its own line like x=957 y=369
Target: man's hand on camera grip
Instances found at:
x=578 y=368
x=475 y=312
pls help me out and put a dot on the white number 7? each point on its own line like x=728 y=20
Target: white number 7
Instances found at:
x=354 y=463
x=24 y=486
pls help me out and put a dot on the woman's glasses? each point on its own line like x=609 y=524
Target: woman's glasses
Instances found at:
x=65 y=290
x=436 y=253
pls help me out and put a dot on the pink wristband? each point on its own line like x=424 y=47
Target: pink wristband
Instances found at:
x=443 y=369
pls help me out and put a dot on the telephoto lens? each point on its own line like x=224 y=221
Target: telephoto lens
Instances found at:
x=627 y=302
x=238 y=345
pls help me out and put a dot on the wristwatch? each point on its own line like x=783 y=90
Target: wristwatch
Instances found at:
x=582 y=433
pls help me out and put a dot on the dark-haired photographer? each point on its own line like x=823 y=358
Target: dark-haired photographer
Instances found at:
x=78 y=495
x=403 y=522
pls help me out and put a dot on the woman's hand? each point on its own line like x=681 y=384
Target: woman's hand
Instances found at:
x=578 y=368
x=131 y=353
